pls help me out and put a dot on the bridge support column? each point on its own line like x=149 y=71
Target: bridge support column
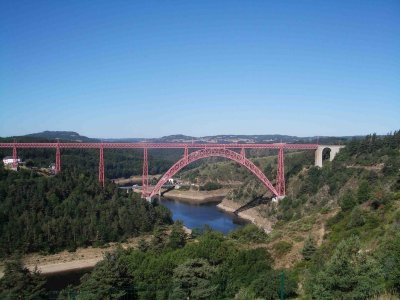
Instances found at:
x=58 y=159
x=15 y=156
x=145 y=175
x=186 y=154
x=101 y=166
x=280 y=176
x=243 y=153
x=318 y=153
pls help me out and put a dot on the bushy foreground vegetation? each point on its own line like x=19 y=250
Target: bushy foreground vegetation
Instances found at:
x=211 y=266
x=50 y=214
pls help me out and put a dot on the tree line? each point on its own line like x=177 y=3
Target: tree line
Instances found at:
x=50 y=214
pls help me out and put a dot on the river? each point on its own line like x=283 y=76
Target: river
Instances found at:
x=197 y=215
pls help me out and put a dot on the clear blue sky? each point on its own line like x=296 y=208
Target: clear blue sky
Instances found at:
x=153 y=68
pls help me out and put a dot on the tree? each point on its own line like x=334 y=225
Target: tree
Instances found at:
x=363 y=192
x=108 y=280
x=349 y=274
x=309 y=248
x=19 y=283
x=347 y=201
x=356 y=218
x=268 y=285
x=177 y=238
x=390 y=259
x=159 y=239
x=192 y=280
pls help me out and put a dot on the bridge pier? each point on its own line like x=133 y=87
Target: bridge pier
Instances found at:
x=58 y=159
x=318 y=153
x=145 y=175
x=101 y=166
x=15 y=157
x=280 y=176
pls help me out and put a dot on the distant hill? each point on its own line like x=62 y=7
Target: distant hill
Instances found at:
x=61 y=135
x=248 y=139
x=180 y=138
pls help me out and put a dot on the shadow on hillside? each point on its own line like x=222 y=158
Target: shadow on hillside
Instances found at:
x=253 y=203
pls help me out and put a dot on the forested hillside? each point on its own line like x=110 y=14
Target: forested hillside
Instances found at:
x=50 y=214
x=335 y=235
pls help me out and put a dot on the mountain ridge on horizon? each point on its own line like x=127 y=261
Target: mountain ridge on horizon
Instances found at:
x=222 y=138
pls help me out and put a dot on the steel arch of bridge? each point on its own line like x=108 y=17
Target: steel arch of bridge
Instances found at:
x=210 y=152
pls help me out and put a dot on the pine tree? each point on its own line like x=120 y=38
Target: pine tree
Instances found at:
x=19 y=283
x=109 y=280
x=192 y=280
x=177 y=238
x=349 y=274
x=347 y=202
x=309 y=248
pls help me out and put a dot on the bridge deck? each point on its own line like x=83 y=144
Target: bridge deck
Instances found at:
x=157 y=146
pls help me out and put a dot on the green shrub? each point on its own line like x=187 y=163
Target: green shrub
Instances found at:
x=210 y=186
x=349 y=274
x=309 y=248
x=281 y=248
x=249 y=234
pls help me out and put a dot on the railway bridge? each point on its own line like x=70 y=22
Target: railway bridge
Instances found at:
x=191 y=153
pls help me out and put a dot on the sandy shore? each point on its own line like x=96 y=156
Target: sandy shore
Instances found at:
x=251 y=214
x=197 y=197
x=67 y=261
x=67 y=266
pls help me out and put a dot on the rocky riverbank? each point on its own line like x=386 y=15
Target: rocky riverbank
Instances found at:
x=251 y=214
x=197 y=197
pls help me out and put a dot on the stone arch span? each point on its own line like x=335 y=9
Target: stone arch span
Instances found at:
x=319 y=151
x=210 y=152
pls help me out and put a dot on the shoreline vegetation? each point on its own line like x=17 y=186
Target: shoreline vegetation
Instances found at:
x=84 y=258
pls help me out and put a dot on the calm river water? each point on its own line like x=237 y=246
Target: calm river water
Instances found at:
x=196 y=216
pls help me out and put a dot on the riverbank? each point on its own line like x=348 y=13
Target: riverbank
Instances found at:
x=250 y=214
x=197 y=197
x=82 y=258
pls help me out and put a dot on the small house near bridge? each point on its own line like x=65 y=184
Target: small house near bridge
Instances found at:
x=9 y=160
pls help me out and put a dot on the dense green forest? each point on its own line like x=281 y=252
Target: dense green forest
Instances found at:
x=49 y=214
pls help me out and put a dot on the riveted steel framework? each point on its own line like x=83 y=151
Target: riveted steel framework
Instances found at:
x=58 y=159
x=101 y=166
x=280 y=176
x=203 y=153
x=206 y=150
x=145 y=175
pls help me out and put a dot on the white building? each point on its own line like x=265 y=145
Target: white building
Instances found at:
x=9 y=160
